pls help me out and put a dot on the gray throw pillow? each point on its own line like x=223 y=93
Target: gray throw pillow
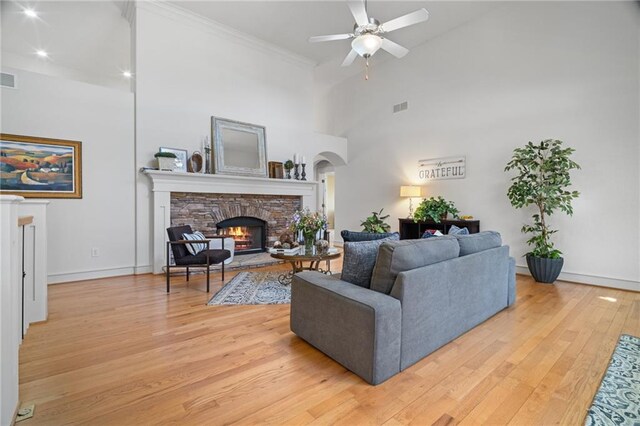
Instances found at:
x=359 y=260
x=399 y=256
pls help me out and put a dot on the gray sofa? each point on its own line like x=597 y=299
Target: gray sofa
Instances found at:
x=422 y=294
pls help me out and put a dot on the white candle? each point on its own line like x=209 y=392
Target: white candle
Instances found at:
x=303 y=162
x=295 y=159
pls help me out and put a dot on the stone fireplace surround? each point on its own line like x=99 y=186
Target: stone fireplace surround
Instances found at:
x=204 y=211
x=164 y=183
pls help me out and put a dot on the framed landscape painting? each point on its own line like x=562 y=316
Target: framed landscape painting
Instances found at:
x=39 y=167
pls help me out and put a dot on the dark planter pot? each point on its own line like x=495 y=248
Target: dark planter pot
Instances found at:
x=544 y=270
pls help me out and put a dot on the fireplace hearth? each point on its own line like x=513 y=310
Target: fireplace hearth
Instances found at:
x=249 y=233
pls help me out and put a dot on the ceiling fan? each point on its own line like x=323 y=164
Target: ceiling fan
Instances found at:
x=369 y=34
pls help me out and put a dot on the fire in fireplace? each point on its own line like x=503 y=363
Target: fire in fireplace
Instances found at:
x=249 y=233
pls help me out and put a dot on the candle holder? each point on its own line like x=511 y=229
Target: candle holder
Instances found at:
x=207 y=159
x=296 y=175
x=304 y=174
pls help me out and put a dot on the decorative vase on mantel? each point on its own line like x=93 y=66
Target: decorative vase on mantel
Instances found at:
x=309 y=242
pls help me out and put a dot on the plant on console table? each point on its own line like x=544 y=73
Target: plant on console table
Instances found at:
x=436 y=209
x=543 y=178
x=376 y=223
x=309 y=223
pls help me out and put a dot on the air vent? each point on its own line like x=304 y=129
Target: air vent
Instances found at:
x=8 y=80
x=400 y=107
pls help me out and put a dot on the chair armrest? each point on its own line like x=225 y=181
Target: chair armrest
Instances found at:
x=357 y=327
x=218 y=237
x=188 y=241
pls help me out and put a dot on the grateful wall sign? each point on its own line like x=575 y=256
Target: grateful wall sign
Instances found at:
x=442 y=168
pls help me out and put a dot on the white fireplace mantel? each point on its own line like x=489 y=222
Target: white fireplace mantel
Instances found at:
x=164 y=183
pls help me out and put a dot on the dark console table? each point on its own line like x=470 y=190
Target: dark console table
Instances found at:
x=411 y=230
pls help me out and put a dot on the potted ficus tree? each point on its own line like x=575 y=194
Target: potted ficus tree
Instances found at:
x=542 y=181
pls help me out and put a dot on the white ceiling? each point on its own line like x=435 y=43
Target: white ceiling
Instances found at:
x=289 y=24
x=88 y=38
x=93 y=39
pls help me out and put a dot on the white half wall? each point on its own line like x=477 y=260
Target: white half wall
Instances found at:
x=102 y=119
x=189 y=69
x=525 y=71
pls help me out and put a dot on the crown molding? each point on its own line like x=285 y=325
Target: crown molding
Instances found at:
x=128 y=8
x=182 y=15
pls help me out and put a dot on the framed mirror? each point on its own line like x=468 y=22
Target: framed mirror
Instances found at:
x=238 y=148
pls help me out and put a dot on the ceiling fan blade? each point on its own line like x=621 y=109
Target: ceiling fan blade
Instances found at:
x=359 y=12
x=350 y=58
x=330 y=37
x=394 y=48
x=406 y=20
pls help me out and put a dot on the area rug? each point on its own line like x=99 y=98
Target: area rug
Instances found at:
x=253 y=288
x=245 y=261
x=617 y=401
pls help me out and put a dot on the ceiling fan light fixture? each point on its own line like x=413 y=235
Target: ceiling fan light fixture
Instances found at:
x=366 y=44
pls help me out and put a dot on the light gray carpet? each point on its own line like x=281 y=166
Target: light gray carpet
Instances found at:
x=253 y=288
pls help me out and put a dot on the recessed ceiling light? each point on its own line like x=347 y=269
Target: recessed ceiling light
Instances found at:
x=42 y=53
x=30 y=13
x=126 y=74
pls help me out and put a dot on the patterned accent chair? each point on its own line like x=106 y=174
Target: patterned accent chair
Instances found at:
x=182 y=257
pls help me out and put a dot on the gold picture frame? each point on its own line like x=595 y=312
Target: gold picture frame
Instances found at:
x=35 y=167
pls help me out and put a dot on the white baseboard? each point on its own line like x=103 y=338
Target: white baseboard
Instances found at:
x=147 y=269
x=590 y=279
x=65 y=277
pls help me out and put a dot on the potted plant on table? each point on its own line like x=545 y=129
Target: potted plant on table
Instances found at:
x=543 y=178
x=309 y=223
x=436 y=209
x=376 y=223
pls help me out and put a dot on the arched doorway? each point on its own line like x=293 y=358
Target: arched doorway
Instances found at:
x=325 y=174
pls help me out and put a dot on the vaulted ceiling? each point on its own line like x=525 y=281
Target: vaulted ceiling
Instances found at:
x=289 y=24
x=92 y=38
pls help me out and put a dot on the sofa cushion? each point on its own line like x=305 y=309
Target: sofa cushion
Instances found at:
x=359 y=260
x=399 y=256
x=353 y=236
x=481 y=241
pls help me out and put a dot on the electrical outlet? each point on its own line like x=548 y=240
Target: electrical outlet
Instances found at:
x=95 y=252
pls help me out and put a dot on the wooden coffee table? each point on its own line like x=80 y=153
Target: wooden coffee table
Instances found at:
x=297 y=265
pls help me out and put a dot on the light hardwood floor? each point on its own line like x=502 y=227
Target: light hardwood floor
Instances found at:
x=121 y=351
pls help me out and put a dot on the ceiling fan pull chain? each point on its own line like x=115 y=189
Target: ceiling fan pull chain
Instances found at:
x=366 y=69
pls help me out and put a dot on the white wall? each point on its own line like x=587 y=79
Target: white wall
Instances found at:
x=525 y=71
x=189 y=69
x=102 y=119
